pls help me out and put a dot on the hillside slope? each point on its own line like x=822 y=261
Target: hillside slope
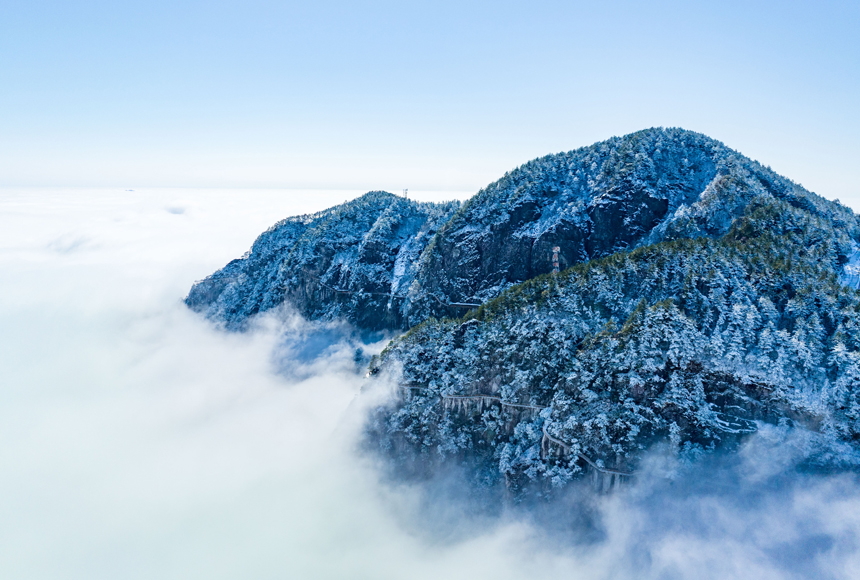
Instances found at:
x=694 y=343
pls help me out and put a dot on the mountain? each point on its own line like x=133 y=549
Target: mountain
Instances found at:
x=703 y=298
x=385 y=262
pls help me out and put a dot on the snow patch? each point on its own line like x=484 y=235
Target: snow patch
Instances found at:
x=851 y=271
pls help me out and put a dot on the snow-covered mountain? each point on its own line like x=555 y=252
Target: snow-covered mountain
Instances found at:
x=381 y=261
x=702 y=297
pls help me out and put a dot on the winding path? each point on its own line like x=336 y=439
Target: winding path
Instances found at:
x=567 y=447
x=491 y=398
x=546 y=436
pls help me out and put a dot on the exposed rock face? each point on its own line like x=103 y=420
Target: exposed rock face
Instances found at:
x=398 y=262
x=622 y=193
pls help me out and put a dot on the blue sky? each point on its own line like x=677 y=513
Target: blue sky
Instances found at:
x=431 y=95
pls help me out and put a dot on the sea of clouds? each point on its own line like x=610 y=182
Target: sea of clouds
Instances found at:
x=139 y=441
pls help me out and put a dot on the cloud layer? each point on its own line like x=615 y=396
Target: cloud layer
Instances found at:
x=140 y=442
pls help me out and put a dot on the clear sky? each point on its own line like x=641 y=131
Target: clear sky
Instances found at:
x=429 y=95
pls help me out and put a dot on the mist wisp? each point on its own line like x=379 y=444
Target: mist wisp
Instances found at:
x=139 y=441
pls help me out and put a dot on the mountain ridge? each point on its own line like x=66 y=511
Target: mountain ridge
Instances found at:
x=620 y=193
